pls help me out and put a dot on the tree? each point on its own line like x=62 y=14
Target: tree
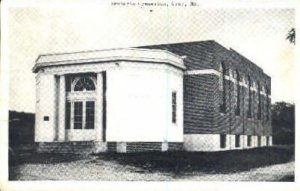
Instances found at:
x=291 y=36
x=283 y=123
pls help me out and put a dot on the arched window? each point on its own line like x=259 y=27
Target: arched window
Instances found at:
x=237 y=93
x=222 y=88
x=249 y=97
x=259 y=101
x=84 y=84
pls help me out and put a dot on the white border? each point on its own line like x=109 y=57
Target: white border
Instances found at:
x=72 y=185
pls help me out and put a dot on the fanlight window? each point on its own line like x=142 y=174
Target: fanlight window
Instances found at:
x=84 y=84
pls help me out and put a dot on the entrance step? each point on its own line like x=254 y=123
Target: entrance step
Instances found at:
x=77 y=147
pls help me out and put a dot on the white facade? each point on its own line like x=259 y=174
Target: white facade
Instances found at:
x=139 y=85
x=139 y=103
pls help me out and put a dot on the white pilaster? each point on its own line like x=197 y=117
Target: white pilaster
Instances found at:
x=61 y=109
x=99 y=107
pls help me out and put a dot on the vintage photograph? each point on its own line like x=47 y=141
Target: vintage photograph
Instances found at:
x=151 y=91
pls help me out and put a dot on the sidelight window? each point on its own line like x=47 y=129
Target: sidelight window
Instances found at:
x=90 y=115
x=174 y=106
x=78 y=115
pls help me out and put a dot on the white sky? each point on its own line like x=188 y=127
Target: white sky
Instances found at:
x=258 y=34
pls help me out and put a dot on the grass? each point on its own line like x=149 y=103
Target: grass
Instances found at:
x=175 y=164
x=207 y=162
x=32 y=157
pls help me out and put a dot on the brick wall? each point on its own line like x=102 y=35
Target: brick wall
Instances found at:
x=144 y=146
x=202 y=95
x=79 y=147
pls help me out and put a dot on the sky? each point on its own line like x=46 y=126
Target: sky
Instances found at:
x=258 y=34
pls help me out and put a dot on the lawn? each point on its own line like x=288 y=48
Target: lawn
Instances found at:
x=157 y=165
x=209 y=162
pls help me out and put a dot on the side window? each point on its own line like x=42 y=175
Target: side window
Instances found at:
x=268 y=141
x=222 y=88
x=223 y=141
x=237 y=93
x=249 y=113
x=68 y=115
x=268 y=103
x=237 y=141
x=78 y=115
x=174 y=107
x=90 y=115
x=249 y=141
x=259 y=101
x=259 y=141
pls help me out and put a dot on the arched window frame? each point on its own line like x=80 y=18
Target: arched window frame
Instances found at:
x=76 y=80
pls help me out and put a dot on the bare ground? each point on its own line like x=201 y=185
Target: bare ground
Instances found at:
x=262 y=164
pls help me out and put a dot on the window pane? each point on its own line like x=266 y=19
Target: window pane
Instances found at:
x=222 y=141
x=249 y=97
x=237 y=140
x=237 y=109
x=259 y=102
x=259 y=141
x=174 y=105
x=90 y=115
x=68 y=115
x=84 y=83
x=222 y=88
x=249 y=140
x=77 y=115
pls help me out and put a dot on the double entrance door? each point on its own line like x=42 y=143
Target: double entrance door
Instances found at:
x=80 y=120
x=80 y=108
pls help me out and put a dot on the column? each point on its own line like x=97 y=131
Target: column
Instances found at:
x=61 y=108
x=99 y=107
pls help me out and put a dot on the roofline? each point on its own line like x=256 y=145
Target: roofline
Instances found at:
x=176 y=43
x=248 y=60
x=126 y=54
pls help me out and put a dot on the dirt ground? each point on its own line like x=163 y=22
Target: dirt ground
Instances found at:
x=252 y=165
x=110 y=171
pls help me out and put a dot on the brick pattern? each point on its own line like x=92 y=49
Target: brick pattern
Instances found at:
x=173 y=146
x=199 y=55
x=111 y=146
x=243 y=124
x=78 y=147
x=202 y=95
x=143 y=146
x=198 y=115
